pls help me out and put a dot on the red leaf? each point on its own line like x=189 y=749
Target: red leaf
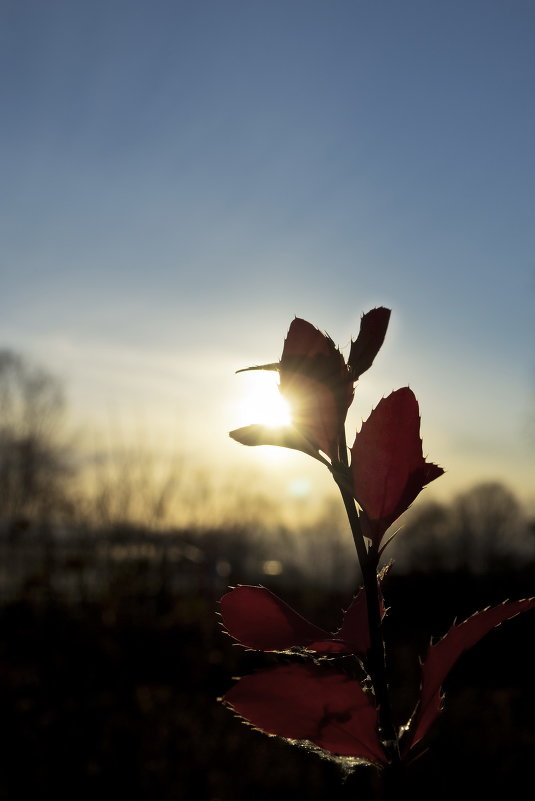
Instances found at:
x=303 y=702
x=442 y=656
x=316 y=414
x=371 y=336
x=315 y=380
x=305 y=340
x=258 y=619
x=387 y=464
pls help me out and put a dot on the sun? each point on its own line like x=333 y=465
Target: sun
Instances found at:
x=262 y=401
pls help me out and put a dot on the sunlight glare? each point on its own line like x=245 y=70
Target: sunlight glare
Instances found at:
x=262 y=402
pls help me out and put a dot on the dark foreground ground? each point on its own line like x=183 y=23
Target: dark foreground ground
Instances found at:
x=118 y=700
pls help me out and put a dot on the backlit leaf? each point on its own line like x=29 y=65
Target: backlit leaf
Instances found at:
x=388 y=468
x=316 y=382
x=258 y=619
x=283 y=436
x=442 y=656
x=306 y=702
x=371 y=336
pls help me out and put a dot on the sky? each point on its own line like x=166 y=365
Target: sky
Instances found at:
x=181 y=179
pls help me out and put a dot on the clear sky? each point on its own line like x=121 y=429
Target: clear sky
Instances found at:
x=180 y=179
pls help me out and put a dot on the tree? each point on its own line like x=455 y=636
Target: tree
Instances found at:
x=33 y=463
x=481 y=530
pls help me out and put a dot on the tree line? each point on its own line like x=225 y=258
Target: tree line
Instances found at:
x=483 y=529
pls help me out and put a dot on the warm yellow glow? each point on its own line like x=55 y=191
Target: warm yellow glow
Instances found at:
x=273 y=567
x=262 y=401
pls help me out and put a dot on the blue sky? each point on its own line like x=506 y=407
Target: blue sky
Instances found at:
x=180 y=179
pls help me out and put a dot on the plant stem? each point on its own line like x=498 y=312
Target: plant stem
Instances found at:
x=369 y=559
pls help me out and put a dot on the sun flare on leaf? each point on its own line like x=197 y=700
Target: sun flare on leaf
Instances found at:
x=262 y=402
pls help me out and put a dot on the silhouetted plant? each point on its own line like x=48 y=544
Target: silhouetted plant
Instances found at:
x=331 y=694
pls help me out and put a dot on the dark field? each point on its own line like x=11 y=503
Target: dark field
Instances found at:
x=117 y=696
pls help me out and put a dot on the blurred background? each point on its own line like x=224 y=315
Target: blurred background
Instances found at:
x=180 y=179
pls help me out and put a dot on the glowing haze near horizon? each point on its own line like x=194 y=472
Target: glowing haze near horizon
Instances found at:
x=180 y=179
